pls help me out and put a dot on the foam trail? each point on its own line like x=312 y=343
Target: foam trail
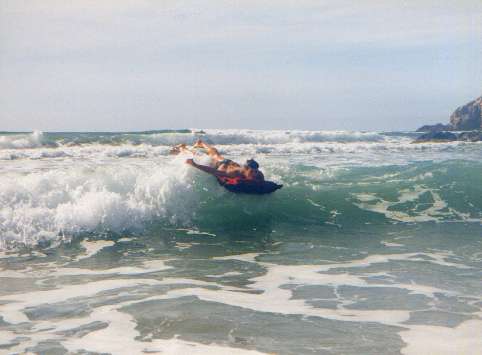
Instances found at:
x=93 y=247
x=13 y=312
x=119 y=338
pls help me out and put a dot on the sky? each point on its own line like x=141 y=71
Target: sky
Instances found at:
x=124 y=65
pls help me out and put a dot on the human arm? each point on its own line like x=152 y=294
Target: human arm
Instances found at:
x=209 y=170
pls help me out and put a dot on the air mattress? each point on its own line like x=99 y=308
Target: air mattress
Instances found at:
x=252 y=187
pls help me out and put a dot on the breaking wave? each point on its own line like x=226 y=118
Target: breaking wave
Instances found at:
x=21 y=140
x=156 y=138
x=62 y=202
x=388 y=147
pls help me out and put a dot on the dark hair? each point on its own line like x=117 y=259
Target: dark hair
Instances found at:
x=251 y=163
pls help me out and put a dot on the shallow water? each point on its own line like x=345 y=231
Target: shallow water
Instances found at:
x=110 y=245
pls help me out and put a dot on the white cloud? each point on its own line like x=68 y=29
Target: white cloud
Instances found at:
x=58 y=25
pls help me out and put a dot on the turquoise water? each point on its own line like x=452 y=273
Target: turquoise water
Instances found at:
x=110 y=245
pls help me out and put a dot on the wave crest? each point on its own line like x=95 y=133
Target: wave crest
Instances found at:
x=224 y=137
x=50 y=205
x=22 y=140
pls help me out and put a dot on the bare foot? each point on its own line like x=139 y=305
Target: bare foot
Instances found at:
x=178 y=149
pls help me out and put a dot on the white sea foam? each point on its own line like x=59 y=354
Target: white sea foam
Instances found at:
x=119 y=338
x=120 y=335
x=435 y=211
x=227 y=274
x=145 y=268
x=93 y=247
x=124 y=239
x=250 y=257
x=222 y=137
x=82 y=198
x=243 y=136
x=391 y=245
x=196 y=232
x=13 y=312
x=434 y=340
x=376 y=151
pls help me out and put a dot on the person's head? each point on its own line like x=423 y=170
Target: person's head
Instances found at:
x=251 y=164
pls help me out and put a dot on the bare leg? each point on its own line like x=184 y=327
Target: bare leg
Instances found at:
x=210 y=150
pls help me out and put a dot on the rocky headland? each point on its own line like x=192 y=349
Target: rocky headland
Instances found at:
x=465 y=125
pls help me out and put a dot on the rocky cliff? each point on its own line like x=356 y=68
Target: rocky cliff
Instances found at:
x=468 y=117
x=435 y=128
x=465 y=118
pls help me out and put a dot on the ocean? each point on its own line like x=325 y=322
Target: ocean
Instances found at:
x=108 y=244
